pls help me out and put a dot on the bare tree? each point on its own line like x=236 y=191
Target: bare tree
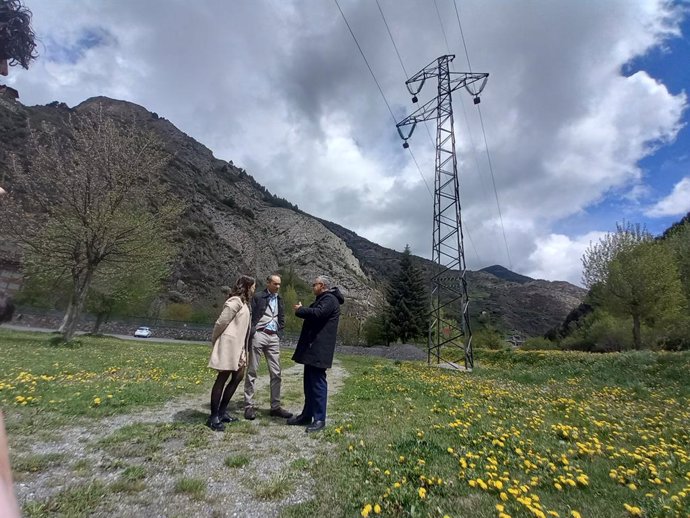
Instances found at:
x=598 y=257
x=90 y=200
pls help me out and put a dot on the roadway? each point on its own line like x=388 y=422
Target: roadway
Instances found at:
x=122 y=337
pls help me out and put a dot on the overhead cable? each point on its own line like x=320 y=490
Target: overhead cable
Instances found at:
x=383 y=96
x=486 y=144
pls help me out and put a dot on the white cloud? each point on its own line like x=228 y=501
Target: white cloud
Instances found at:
x=557 y=256
x=280 y=88
x=675 y=204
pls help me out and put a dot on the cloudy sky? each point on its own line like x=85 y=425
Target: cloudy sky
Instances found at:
x=584 y=113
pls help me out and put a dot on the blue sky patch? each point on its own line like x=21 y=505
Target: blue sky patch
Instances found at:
x=70 y=52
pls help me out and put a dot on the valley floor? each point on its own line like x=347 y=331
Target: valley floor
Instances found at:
x=115 y=428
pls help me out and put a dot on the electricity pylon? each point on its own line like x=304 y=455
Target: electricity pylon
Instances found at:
x=448 y=282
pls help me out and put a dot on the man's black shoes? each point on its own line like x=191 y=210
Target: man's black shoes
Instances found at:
x=280 y=412
x=315 y=426
x=250 y=413
x=299 y=420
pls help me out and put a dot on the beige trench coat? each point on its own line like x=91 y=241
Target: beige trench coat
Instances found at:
x=231 y=336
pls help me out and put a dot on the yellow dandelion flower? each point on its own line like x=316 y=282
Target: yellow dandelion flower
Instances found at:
x=366 y=510
x=377 y=509
x=421 y=492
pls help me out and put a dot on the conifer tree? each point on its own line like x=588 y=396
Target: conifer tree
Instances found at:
x=408 y=299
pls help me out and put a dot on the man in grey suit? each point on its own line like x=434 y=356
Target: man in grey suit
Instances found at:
x=268 y=322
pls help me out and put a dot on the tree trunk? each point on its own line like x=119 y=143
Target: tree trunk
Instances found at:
x=637 y=340
x=100 y=318
x=82 y=282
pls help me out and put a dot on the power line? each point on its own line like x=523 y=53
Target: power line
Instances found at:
x=402 y=65
x=462 y=36
x=486 y=144
x=443 y=30
x=378 y=85
x=493 y=181
x=392 y=39
x=366 y=61
x=467 y=125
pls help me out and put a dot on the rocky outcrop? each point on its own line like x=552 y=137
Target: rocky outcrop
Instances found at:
x=234 y=225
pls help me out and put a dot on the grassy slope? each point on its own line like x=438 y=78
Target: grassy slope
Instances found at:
x=44 y=385
x=536 y=434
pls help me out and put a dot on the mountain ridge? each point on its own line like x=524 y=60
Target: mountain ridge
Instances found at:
x=234 y=225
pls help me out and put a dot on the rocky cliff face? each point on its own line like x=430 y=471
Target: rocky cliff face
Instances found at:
x=233 y=225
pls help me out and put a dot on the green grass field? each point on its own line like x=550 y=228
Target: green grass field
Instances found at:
x=527 y=434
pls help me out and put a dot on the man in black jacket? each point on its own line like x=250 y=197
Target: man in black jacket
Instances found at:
x=268 y=322
x=315 y=350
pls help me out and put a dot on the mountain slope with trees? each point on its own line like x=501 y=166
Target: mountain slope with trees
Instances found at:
x=231 y=224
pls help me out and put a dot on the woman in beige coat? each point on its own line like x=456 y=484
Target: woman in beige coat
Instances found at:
x=229 y=356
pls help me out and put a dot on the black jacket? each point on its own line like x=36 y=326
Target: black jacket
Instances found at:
x=316 y=343
x=259 y=305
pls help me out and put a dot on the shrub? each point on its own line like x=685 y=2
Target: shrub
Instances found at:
x=609 y=334
x=375 y=330
x=349 y=330
x=539 y=343
x=676 y=337
x=178 y=311
x=488 y=339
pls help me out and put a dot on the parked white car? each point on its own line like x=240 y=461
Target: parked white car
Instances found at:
x=143 y=332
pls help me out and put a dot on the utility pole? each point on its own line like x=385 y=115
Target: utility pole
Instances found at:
x=449 y=299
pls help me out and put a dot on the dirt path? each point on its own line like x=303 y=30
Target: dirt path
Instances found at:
x=164 y=462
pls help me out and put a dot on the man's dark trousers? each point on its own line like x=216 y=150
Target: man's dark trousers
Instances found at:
x=315 y=393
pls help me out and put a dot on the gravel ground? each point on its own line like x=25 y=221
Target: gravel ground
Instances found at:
x=90 y=454
x=274 y=476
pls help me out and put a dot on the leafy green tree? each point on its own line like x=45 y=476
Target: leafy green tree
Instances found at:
x=679 y=242
x=643 y=283
x=90 y=200
x=349 y=329
x=408 y=300
x=598 y=256
x=290 y=298
x=129 y=291
x=376 y=329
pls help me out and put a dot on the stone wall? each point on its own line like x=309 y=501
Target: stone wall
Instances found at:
x=10 y=281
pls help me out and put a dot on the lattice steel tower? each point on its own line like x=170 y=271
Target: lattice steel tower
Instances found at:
x=449 y=299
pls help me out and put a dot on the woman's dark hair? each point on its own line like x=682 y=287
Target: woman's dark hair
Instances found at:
x=17 y=38
x=242 y=288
